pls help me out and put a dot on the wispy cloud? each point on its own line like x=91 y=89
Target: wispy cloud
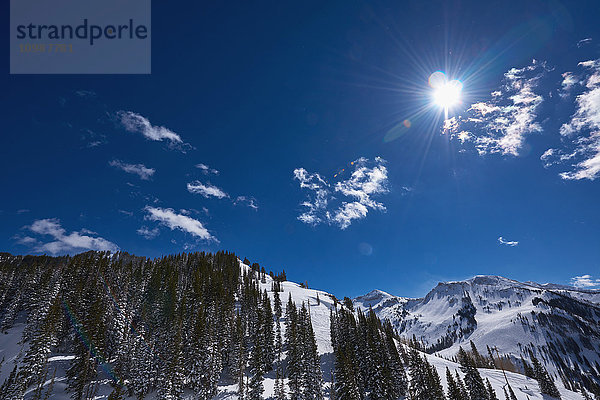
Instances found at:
x=581 y=134
x=501 y=124
x=585 y=282
x=368 y=179
x=171 y=219
x=86 y=93
x=511 y=243
x=206 y=169
x=140 y=170
x=583 y=42
x=136 y=123
x=247 y=201
x=64 y=242
x=206 y=190
x=147 y=232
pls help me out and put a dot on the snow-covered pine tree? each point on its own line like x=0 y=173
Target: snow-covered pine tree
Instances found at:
x=346 y=375
x=43 y=340
x=255 y=386
x=12 y=388
x=279 y=389
x=399 y=382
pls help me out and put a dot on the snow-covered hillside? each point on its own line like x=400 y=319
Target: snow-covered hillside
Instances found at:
x=496 y=302
x=559 y=324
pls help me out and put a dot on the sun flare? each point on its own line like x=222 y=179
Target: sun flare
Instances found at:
x=446 y=94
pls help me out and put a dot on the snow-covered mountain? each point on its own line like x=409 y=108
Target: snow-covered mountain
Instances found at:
x=559 y=324
x=485 y=309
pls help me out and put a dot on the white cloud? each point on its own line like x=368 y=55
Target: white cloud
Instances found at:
x=355 y=194
x=169 y=218
x=583 y=42
x=581 y=134
x=63 y=242
x=501 y=124
x=148 y=233
x=206 y=169
x=140 y=170
x=27 y=240
x=511 y=243
x=207 y=190
x=245 y=200
x=568 y=82
x=136 y=123
x=585 y=282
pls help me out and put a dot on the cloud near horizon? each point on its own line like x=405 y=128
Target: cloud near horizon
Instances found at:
x=368 y=179
x=140 y=170
x=585 y=282
x=173 y=220
x=64 y=243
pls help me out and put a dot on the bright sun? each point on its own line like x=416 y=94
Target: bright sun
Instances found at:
x=446 y=94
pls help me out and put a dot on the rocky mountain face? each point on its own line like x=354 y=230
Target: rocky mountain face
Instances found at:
x=557 y=324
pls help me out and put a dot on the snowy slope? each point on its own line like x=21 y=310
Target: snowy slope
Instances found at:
x=428 y=313
x=557 y=323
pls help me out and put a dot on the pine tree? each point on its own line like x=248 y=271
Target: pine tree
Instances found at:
x=511 y=393
x=11 y=389
x=433 y=382
x=294 y=358
x=527 y=369
x=398 y=384
x=473 y=380
x=585 y=394
x=462 y=388
x=279 y=389
x=545 y=382
x=266 y=334
x=454 y=392
x=346 y=375
x=490 y=390
x=418 y=371
x=312 y=376
x=255 y=387
x=278 y=338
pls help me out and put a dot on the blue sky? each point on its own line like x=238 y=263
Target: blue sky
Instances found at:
x=303 y=136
